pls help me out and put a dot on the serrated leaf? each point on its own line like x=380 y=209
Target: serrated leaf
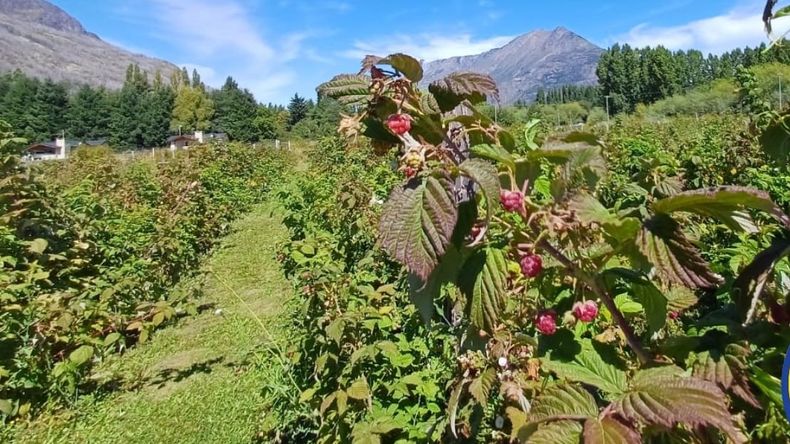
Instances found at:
x=727 y=370
x=359 y=390
x=484 y=280
x=452 y=90
x=481 y=386
x=676 y=259
x=485 y=175
x=347 y=89
x=589 y=368
x=81 y=355
x=725 y=204
x=428 y=104
x=495 y=153
x=407 y=65
x=657 y=397
x=112 y=338
x=417 y=224
x=563 y=400
x=608 y=430
x=750 y=283
x=558 y=432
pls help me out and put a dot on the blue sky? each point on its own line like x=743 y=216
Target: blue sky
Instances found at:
x=279 y=47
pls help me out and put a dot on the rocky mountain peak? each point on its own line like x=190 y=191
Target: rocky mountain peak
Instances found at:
x=42 y=13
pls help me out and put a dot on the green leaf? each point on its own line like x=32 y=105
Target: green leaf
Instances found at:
x=588 y=367
x=452 y=90
x=608 y=430
x=487 y=178
x=347 y=89
x=6 y=407
x=484 y=280
x=335 y=330
x=750 y=283
x=558 y=432
x=783 y=12
x=38 y=246
x=659 y=397
x=407 y=65
x=727 y=370
x=646 y=294
x=495 y=153
x=417 y=224
x=725 y=204
x=775 y=141
x=676 y=259
x=81 y=355
x=481 y=386
x=423 y=293
x=359 y=390
x=112 y=338
x=563 y=400
x=770 y=385
x=589 y=210
x=452 y=404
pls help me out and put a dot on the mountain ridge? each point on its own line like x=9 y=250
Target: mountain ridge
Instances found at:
x=529 y=62
x=42 y=40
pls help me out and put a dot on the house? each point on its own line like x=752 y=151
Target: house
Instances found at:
x=57 y=150
x=185 y=141
x=181 y=141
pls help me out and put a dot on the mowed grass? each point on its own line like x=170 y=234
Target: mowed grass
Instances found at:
x=199 y=381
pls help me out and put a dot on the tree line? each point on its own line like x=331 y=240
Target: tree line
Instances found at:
x=146 y=111
x=630 y=76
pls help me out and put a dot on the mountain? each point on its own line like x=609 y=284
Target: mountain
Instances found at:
x=44 y=41
x=540 y=59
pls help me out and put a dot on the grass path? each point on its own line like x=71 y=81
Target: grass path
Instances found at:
x=198 y=381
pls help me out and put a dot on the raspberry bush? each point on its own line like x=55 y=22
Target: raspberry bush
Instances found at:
x=498 y=237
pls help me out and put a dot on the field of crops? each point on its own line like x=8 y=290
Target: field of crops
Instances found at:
x=453 y=280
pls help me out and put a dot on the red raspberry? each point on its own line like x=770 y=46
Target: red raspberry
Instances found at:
x=399 y=124
x=409 y=172
x=513 y=201
x=585 y=311
x=531 y=265
x=674 y=315
x=546 y=322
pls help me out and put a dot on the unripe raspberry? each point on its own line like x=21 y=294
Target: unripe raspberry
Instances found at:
x=546 y=322
x=531 y=265
x=413 y=160
x=399 y=124
x=585 y=311
x=513 y=201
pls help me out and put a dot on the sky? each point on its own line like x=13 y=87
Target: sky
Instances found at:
x=277 y=48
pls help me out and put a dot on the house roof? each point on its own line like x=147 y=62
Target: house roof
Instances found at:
x=43 y=148
x=177 y=138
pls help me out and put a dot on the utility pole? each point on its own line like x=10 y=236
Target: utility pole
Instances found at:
x=607 y=112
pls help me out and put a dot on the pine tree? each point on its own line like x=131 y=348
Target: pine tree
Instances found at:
x=127 y=126
x=157 y=105
x=298 y=109
x=236 y=110
x=88 y=116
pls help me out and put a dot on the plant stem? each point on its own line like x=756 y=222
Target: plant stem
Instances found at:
x=607 y=299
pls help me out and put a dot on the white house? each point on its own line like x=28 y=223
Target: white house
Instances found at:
x=57 y=150
x=185 y=141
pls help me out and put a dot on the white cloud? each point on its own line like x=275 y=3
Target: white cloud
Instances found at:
x=222 y=39
x=737 y=28
x=428 y=47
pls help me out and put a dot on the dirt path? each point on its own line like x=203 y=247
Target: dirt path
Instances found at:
x=199 y=381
